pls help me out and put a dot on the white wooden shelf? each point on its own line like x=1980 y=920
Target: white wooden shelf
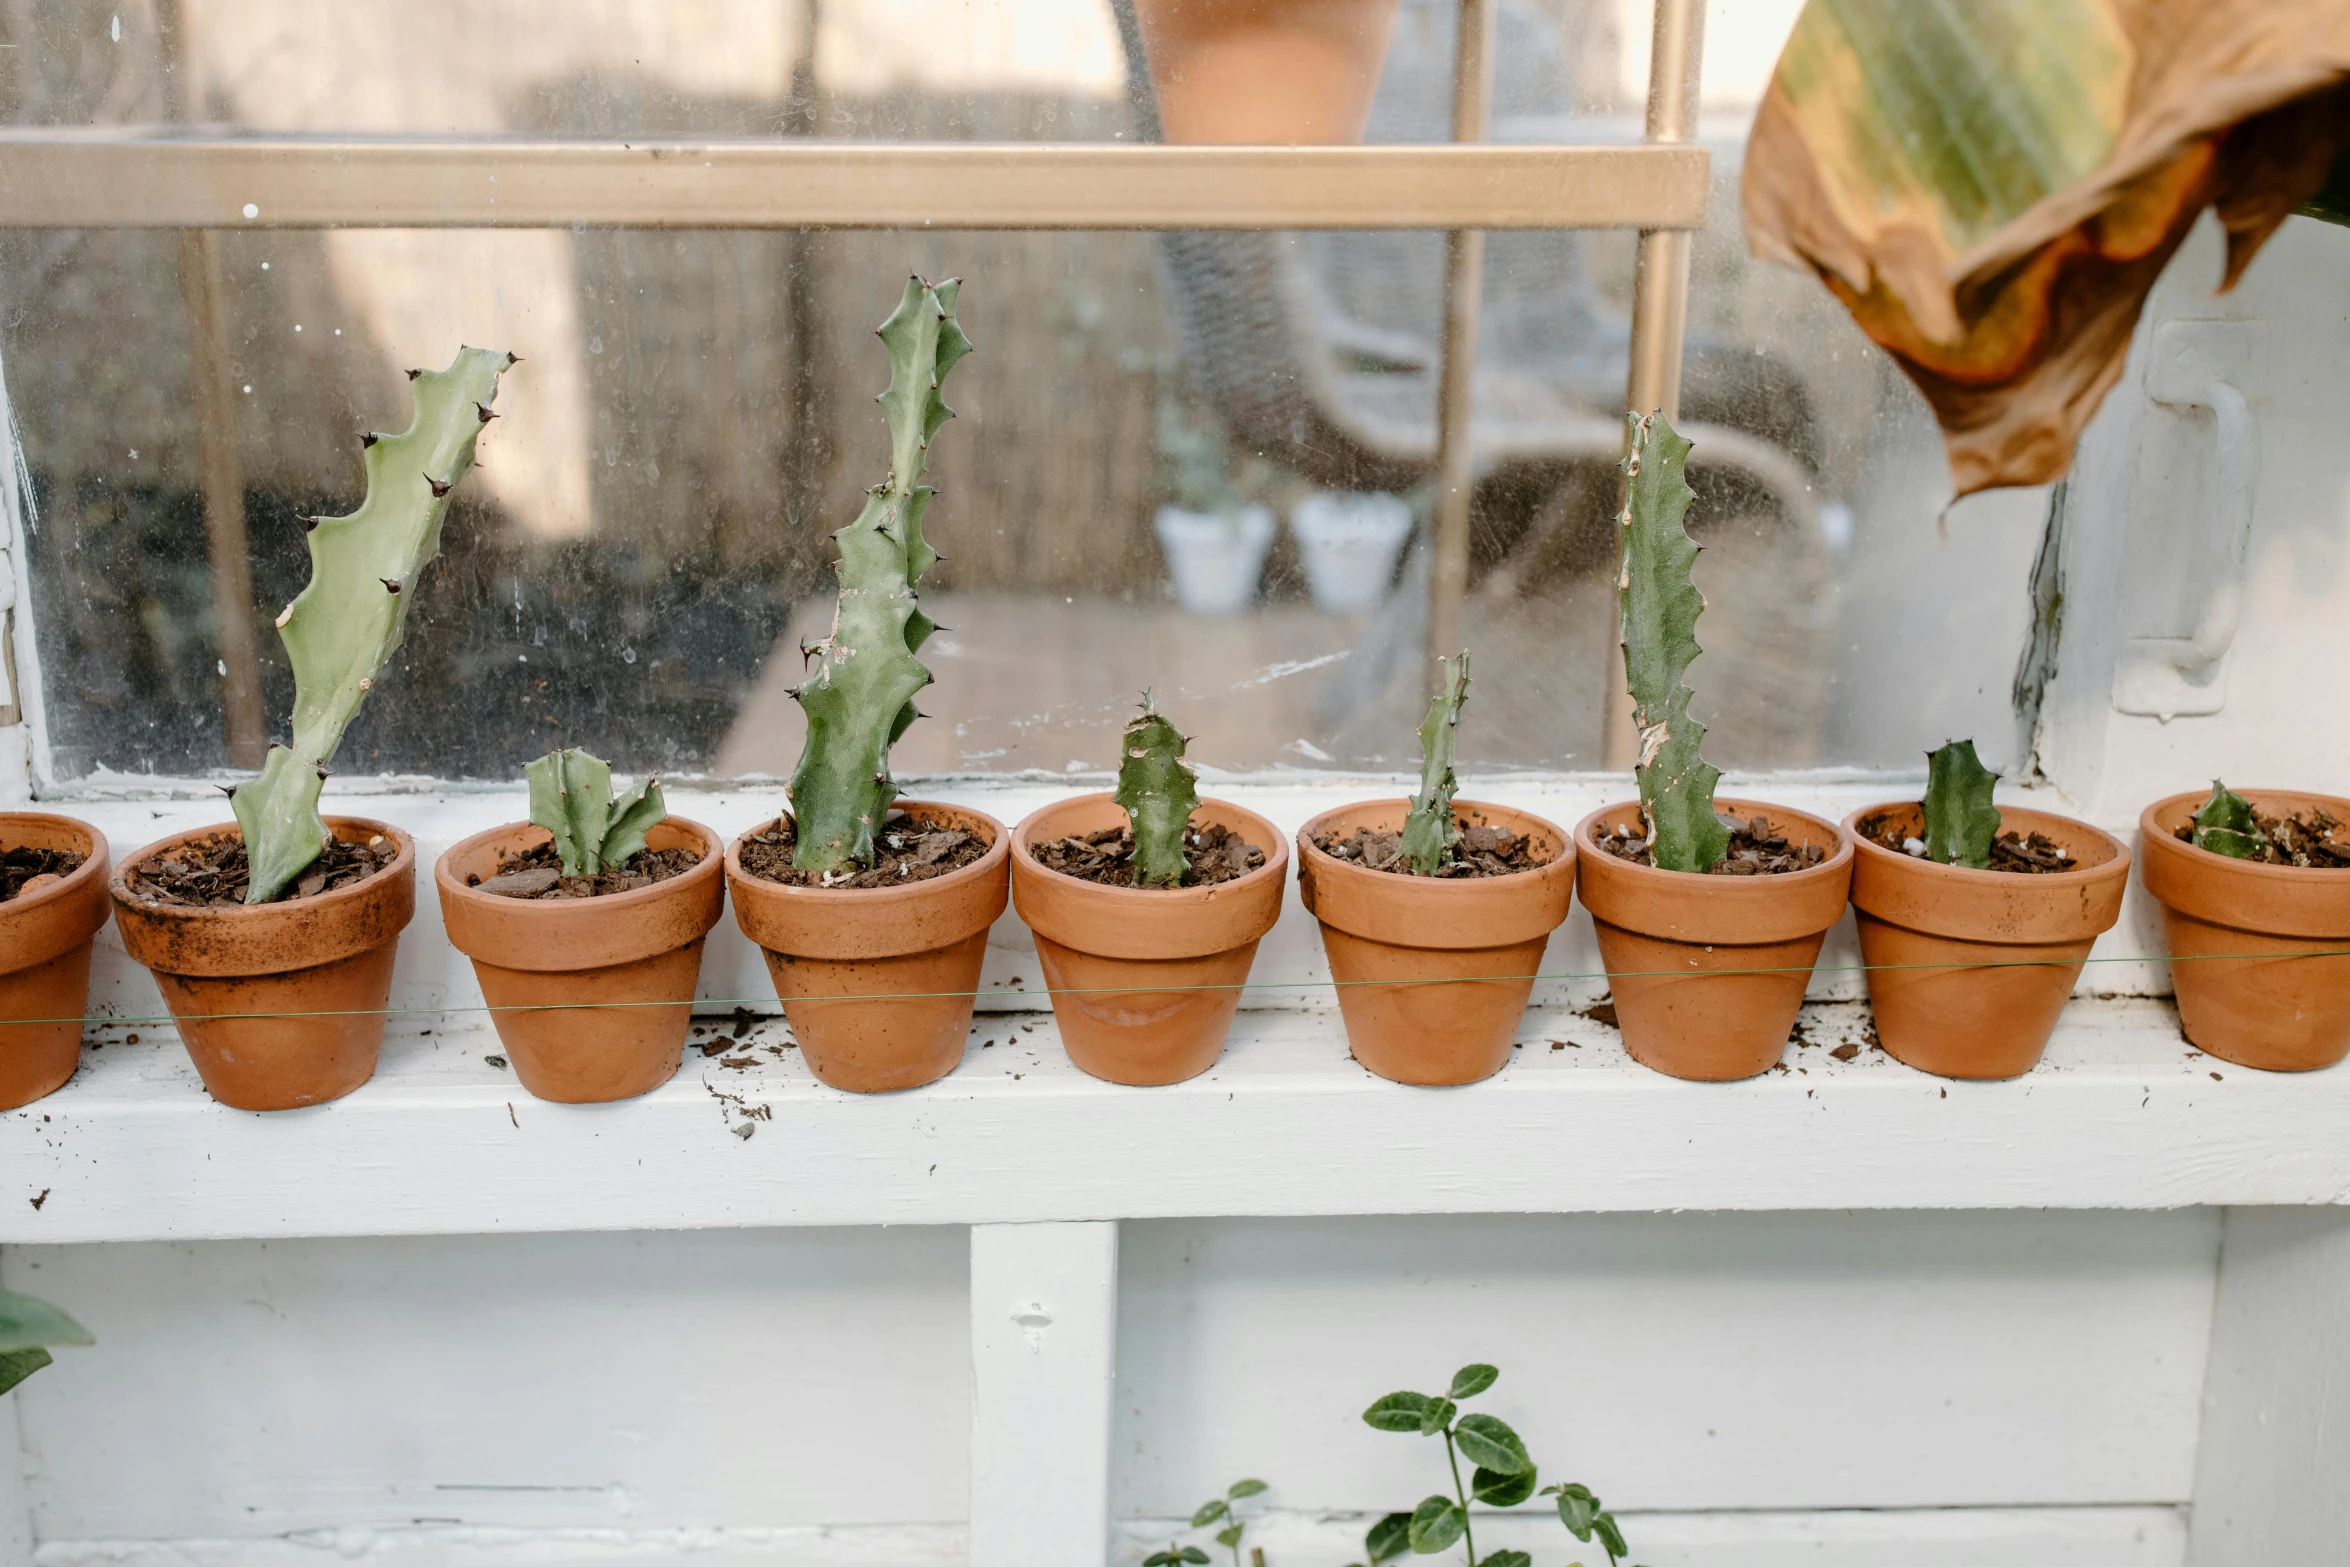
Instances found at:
x=2123 y=1115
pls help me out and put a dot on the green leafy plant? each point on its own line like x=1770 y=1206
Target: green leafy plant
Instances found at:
x=571 y=797
x=1429 y=830
x=1660 y=609
x=27 y=1328
x=2224 y=825
x=860 y=698
x=1158 y=789
x=1961 y=821
x=1223 y=1509
x=341 y=629
x=1502 y=1474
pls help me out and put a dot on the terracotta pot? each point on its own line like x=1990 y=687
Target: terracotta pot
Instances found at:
x=1433 y=975
x=1278 y=71
x=623 y=950
x=45 y=939
x=1145 y=980
x=1969 y=969
x=281 y=1004
x=878 y=982
x=1708 y=972
x=2232 y=927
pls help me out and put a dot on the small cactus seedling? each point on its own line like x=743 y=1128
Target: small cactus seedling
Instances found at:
x=1429 y=831
x=343 y=627
x=860 y=698
x=2224 y=825
x=571 y=797
x=1961 y=821
x=1157 y=787
x=1660 y=609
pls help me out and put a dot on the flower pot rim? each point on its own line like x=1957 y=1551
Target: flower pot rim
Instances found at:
x=1833 y=865
x=2157 y=838
x=740 y=878
x=1326 y=864
x=1275 y=868
x=126 y=901
x=712 y=864
x=2054 y=881
x=95 y=866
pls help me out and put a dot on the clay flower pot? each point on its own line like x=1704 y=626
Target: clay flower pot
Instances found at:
x=878 y=982
x=595 y=962
x=1708 y=972
x=1281 y=71
x=1433 y=974
x=1145 y=980
x=2232 y=926
x=45 y=939
x=279 y=1004
x=1968 y=969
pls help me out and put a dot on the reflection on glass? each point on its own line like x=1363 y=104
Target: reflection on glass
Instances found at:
x=648 y=543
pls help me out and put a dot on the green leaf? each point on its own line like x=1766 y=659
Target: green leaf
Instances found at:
x=1193 y=1554
x=1209 y=1512
x=1429 y=830
x=1437 y=1416
x=17 y=1364
x=1230 y=1535
x=1436 y=1523
x=27 y=1323
x=1399 y=1412
x=1508 y=1559
x=1390 y=1537
x=1660 y=609
x=1469 y=1381
x=1491 y=1444
x=1961 y=821
x=2224 y=825
x=1241 y=1488
x=1496 y=1489
x=1577 y=1510
x=1610 y=1536
x=1157 y=788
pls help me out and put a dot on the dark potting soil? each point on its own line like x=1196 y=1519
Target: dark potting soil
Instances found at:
x=537 y=874
x=1481 y=851
x=2307 y=840
x=1216 y=854
x=1754 y=850
x=20 y=868
x=211 y=873
x=2021 y=854
x=910 y=850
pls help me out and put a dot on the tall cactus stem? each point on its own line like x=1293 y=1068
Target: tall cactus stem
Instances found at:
x=1159 y=790
x=1429 y=830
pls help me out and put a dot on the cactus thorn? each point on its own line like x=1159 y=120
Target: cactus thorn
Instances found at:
x=226 y=789
x=413 y=374
x=440 y=487
x=483 y=410
x=513 y=359
x=390 y=583
x=368 y=439
x=321 y=773
x=308 y=523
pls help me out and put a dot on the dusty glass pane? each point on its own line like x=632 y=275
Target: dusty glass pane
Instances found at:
x=644 y=547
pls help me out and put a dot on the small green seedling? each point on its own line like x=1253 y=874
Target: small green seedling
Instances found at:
x=1502 y=1475
x=571 y=797
x=1429 y=831
x=2224 y=825
x=1961 y=821
x=1660 y=605
x=27 y=1328
x=1158 y=789
x=1223 y=1509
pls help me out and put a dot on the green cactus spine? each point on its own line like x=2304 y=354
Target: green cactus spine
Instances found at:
x=571 y=797
x=1429 y=831
x=1961 y=821
x=860 y=697
x=1660 y=609
x=343 y=627
x=1158 y=789
x=2224 y=825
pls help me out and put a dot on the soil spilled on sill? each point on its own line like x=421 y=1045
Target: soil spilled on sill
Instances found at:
x=2018 y=854
x=2307 y=840
x=212 y=873
x=1755 y=849
x=1481 y=851
x=1216 y=854
x=910 y=850
x=32 y=870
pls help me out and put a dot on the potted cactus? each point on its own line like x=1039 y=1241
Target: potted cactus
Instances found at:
x=1215 y=538
x=1975 y=918
x=873 y=911
x=2255 y=896
x=52 y=901
x=1434 y=913
x=1280 y=71
x=579 y=921
x=1147 y=905
x=272 y=938
x=1710 y=913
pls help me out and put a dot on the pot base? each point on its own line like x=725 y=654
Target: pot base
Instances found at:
x=253 y=1060
x=1431 y=1017
x=876 y=1025
x=1965 y=1009
x=1705 y=1014
x=2244 y=996
x=1122 y=1021
x=575 y=1054
x=37 y=1059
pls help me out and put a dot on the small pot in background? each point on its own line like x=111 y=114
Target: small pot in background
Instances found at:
x=878 y=983
x=1969 y=969
x=280 y=1004
x=1708 y=972
x=1433 y=973
x=2236 y=929
x=1215 y=558
x=1145 y=980
x=1349 y=543
x=595 y=963
x=45 y=940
